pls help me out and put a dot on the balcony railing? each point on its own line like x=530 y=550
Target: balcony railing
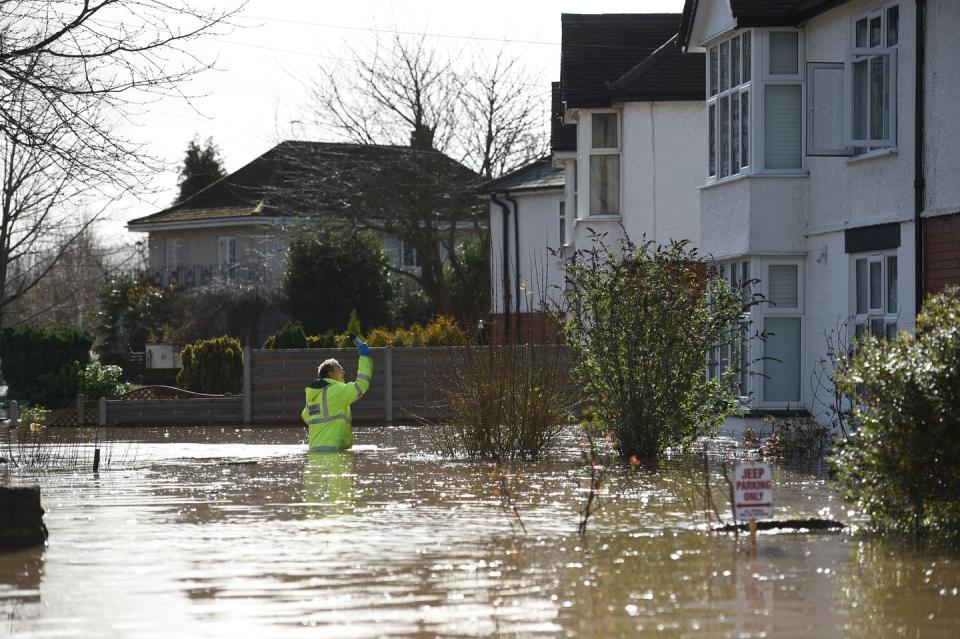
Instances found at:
x=193 y=275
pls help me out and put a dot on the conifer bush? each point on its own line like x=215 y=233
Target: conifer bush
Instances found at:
x=212 y=366
x=290 y=335
x=41 y=365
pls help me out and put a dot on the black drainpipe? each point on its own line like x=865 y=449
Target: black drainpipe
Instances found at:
x=516 y=255
x=919 y=183
x=506 y=265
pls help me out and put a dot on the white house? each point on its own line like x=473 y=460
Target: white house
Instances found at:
x=626 y=129
x=824 y=156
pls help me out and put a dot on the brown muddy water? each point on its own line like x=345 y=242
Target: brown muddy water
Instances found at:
x=224 y=532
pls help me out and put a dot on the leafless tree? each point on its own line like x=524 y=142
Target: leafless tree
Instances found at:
x=82 y=65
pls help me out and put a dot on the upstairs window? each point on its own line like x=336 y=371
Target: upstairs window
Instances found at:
x=872 y=79
x=729 y=76
x=562 y=235
x=604 y=164
x=226 y=251
x=782 y=102
x=174 y=253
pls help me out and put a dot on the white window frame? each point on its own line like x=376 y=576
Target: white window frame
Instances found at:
x=863 y=321
x=772 y=311
x=735 y=271
x=562 y=226
x=605 y=151
x=173 y=248
x=769 y=79
x=856 y=54
x=713 y=101
x=402 y=258
x=227 y=256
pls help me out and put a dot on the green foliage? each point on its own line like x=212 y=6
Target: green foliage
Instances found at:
x=642 y=320
x=331 y=272
x=468 y=273
x=131 y=314
x=291 y=335
x=440 y=331
x=201 y=168
x=902 y=465
x=34 y=417
x=353 y=328
x=212 y=366
x=41 y=364
x=97 y=380
x=324 y=340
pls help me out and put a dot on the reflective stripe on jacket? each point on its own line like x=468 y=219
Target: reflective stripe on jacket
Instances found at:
x=327 y=412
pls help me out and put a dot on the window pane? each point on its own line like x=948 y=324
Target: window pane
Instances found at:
x=893 y=26
x=877 y=327
x=725 y=136
x=878 y=99
x=712 y=141
x=735 y=62
x=744 y=129
x=859 y=332
x=604 y=184
x=892 y=284
x=744 y=282
x=876 y=285
x=783 y=286
x=825 y=98
x=891 y=330
x=746 y=56
x=783 y=128
x=604 y=130
x=782 y=366
x=724 y=66
x=784 y=51
x=563 y=223
x=861 y=287
x=861 y=30
x=861 y=107
x=713 y=70
x=875 y=32
x=735 y=133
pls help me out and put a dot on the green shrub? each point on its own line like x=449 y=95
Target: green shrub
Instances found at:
x=440 y=331
x=324 y=340
x=131 y=314
x=291 y=335
x=212 y=366
x=41 y=364
x=642 y=320
x=97 y=380
x=353 y=328
x=902 y=463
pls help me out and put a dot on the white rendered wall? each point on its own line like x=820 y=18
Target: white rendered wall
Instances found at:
x=942 y=152
x=660 y=169
x=539 y=231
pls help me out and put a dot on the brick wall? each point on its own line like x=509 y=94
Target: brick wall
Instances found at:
x=941 y=252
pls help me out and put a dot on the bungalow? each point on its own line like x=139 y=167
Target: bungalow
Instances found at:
x=829 y=172
x=238 y=228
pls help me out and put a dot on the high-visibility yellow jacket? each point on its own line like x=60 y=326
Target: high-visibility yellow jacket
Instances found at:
x=327 y=412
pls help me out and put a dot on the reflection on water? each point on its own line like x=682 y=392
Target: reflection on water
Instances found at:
x=225 y=532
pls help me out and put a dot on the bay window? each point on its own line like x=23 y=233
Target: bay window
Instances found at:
x=783 y=102
x=782 y=325
x=604 y=164
x=871 y=77
x=728 y=96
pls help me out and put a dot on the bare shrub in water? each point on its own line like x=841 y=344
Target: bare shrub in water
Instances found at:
x=505 y=402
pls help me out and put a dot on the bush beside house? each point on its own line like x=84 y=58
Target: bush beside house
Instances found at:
x=42 y=365
x=212 y=366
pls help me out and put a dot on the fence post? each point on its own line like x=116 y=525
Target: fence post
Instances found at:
x=80 y=413
x=247 y=386
x=388 y=384
x=102 y=417
x=13 y=412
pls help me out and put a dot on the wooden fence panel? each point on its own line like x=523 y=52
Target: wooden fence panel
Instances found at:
x=186 y=412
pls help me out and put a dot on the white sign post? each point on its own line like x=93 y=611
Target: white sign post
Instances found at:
x=753 y=496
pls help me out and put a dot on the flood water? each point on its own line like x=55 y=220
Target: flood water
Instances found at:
x=223 y=532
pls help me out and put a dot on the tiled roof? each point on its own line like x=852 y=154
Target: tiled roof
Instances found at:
x=666 y=74
x=563 y=137
x=298 y=178
x=598 y=49
x=760 y=13
x=536 y=176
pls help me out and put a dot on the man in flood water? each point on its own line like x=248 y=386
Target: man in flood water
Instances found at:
x=327 y=412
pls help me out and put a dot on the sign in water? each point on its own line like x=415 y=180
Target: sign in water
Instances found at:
x=753 y=491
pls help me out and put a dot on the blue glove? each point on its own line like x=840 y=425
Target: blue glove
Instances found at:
x=363 y=349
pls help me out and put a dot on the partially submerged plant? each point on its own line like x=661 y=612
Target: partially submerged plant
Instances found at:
x=503 y=402
x=643 y=320
x=796 y=438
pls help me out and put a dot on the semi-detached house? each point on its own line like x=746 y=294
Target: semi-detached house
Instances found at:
x=829 y=172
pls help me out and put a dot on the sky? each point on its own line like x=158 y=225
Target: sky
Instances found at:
x=258 y=92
